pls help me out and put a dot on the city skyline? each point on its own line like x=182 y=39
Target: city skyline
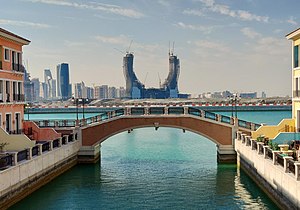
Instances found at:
x=223 y=45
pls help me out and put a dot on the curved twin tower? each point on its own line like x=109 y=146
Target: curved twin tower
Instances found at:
x=135 y=89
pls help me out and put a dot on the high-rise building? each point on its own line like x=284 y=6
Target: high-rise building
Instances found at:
x=171 y=83
x=63 y=81
x=80 y=90
x=48 y=80
x=28 y=87
x=90 y=93
x=53 y=94
x=36 y=89
x=135 y=89
x=101 y=92
x=112 y=92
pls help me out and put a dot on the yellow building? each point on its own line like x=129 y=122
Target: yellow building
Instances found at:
x=295 y=37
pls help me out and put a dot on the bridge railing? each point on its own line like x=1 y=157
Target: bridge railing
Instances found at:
x=139 y=111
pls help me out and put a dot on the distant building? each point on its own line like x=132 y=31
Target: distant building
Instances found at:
x=112 y=92
x=248 y=95
x=36 y=89
x=136 y=90
x=101 y=92
x=28 y=88
x=263 y=95
x=90 y=93
x=78 y=90
x=48 y=84
x=64 y=88
x=121 y=92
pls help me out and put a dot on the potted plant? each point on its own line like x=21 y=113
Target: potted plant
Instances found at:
x=2 y=147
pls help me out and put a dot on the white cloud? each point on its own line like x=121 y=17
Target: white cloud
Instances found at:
x=193 y=12
x=23 y=23
x=122 y=39
x=216 y=46
x=272 y=46
x=109 y=8
x=164 y=3
x=292 y=21
x=73 y=44
x=205 y=29
x=250 y=33
x=240 y=14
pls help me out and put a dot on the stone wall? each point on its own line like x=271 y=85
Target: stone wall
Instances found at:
x=20 y=180
x=282 y=186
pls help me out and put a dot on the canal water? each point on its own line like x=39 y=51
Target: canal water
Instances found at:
x=148 y=169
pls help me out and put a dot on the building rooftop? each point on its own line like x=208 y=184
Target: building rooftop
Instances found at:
x=294 y=34
x=14 y=37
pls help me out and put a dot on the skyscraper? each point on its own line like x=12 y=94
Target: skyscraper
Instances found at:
x=171 y=83
x=133 y=86
x=63 y=81
x=36 y=89
x=48 y=80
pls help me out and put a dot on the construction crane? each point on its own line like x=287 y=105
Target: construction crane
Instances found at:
x=145 y=78
x=159 y=80
x=128 y=50
x=119 y=50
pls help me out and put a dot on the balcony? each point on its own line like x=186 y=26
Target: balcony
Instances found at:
x=18 y=97
x=18 y=67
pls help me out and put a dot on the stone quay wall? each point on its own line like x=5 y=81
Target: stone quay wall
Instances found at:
x=274 y=177
x=18 y=181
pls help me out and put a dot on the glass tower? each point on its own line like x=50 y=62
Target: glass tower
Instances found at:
x=63 y=81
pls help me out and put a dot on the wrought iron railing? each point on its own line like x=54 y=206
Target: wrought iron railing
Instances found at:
x=270 y=154
x=151 y=111
x=22 y=155
x=280 y=159
x=6 y=161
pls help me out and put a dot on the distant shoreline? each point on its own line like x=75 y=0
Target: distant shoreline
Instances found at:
x=212 y=108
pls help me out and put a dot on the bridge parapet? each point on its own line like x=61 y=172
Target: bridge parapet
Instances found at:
x=159 y=110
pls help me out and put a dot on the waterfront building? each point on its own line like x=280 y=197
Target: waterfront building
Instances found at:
x=121 y=92
x=90 y=92
x=101 y=92
x=64 y=88
x=11 y=81
x=136 y=89
x=112 y=92
x=248 y=95
x=295 y=38
x=80 y=90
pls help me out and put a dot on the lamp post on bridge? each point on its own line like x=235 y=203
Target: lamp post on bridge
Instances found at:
x=234 y=98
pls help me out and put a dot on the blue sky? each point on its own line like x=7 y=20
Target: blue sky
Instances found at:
x=236 y=45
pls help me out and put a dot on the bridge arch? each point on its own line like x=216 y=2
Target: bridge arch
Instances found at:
x=219 y=133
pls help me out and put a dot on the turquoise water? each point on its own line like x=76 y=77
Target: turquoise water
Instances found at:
x=148 y=169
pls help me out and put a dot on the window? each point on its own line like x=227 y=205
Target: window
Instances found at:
x=6 y=54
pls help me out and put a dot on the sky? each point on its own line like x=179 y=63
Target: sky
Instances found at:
x=235 y=45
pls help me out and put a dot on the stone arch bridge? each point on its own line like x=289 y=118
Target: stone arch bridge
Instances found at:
x=93 y=131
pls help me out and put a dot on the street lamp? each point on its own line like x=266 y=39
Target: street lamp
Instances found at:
x=76 y=103
x=236 y=98
x=27 y=108
x=231 y=102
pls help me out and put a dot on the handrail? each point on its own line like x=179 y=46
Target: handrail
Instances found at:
x=141 y=111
